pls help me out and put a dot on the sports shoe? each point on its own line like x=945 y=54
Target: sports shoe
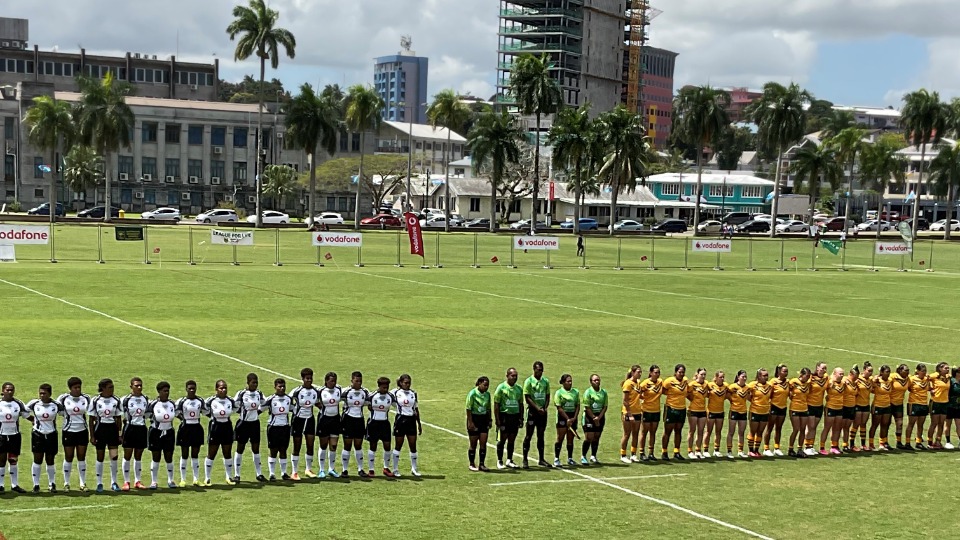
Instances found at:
x=153 y=485
x=18 y=489
x=371 y=473
x=53 y=488
x=272 y=478
x=345 y=473
x=66 y=488
x=196 y=482
x=511 y=464
x=207 y=482
x=948 y=446
x=83 y=488
x=295 y=477
x=139 y=485
x=229 y=481
x=500 y=466
x=310 y=474
x=261 y=478
x=541 y=463
x=483 y=468
x=571 y=462
x=236 y=479
x=389 y=474
x=526 y=463
x=855 y=449
x=556 y=462
x=824 y=453
x=883 y=448
x=115 y=487
x=921 y=446
x=904 y=447
x=396 y=473
x=716 y=453
x=778 y=453
x=473 y=468
x=810 y=452
x=417 y=473
x=791 y=453
x=625 y=459
x=664 y=456
x=677 y=456
x=126 y=486
x=320 y=474
x=936 y=446
x=693 y=455
x=285 y=476
x=361 y=473
x=99 y=488
x=637 y=459
x=183 y=483
x=753 y=454
x=583 y=461
x=899 y=445
x=171 y=485
x=594 y=460
x=768 y=453
x=835 y=451
x=742 y=455
x=36 y=489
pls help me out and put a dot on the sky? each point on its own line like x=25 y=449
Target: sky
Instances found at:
x=851 y=52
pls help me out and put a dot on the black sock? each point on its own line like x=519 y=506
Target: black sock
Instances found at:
x=593 y=448
x=510 y=450
x=483 y=455
x=500 y=451
x=584 y=448
x=540 y=447
x=526 y=448
x=472 y=454
x=569 y=450
x=556 y=450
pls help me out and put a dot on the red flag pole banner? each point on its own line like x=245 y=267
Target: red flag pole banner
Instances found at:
x=415 y=233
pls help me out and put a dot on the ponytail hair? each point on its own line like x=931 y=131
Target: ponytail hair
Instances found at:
x=804 y=371
x=856 y=369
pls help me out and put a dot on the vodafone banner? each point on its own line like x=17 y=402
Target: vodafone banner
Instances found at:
x=892 y=248
x=538 y=242
x=713 y=246
x=231 y=238
x=338 y=239
x=414 y=232
x=24 y=234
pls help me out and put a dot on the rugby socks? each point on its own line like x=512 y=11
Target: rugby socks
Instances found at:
x=569 y=450
x=526 y=447
x=295 y=461
x=170 y=472
x=633 y=450
x=540 y=446
x=154 y=471
x=583 y=448
x=207 y=468
x=863 y=436
x=35 y=474
x=3 y=475
x=358 y=455
x=500 y=451
x=99 y=471
x=82 y=471
x=51 y=474
x=594 y=446
x=228 y=468
x=126 y=471
x=371 y=459
x=309 y=460
x=472 y=456
x=899 y=437
x=396 y=459
x=113 y=471
x=623 y=452
x=345 y=459
x=183 y=470
x=414 y=458
x=387 y=456
x=14 y=476
x=257 y=466
x=556 y=450
x=67 y=469
x=323 y=460
x=136 y=469
x=283 y=465
x=196 y=468
x=483 y=455
x=237 y=463
x=510 y=450
x=272 y=466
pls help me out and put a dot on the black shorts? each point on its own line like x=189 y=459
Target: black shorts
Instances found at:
x=651 y=417
x=674 y=416
x=777 y=411
x=953 y=412
x=561 y=423
x=161 y=440
x=815 y=410
x=482 y=424
x=247 y=432
x=73 y=439
x=406 y=426
x=834 y=413
x=799 y=414
x=755 y=417
x=10 y=445
x=863 y=408
x=882 y=410
x=353 y=427
x=698 y=414
x=510 y=423
x=221 y=433
x=537 y=420
x=738 y=416
x=303 y=426
x=939 y=408
x=107 y=435
x=715 y=416
x=897 y=410
x=278 y=438
x=378 y=431
x=849 y=413
x=41 y=443
x=918 y=410
x=134 y=437
x=589 y=426
x=328 y=426
x=190 y=435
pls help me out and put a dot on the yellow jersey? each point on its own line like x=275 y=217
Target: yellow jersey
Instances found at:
x=676 y=392
x=818 y=386
x=738 y=397
x=798 y=394
x=781 y=391
x=651 y=395
x=716 y=396
x=850 y=394
x=697 y=394
x=919 y=388
x=835 y=392
x=940 y=388
x=898 y=389
x=760 y=395
x=882 y=391
x=864 y=387
x=631 y=393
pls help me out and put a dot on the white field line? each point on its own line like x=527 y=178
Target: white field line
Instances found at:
x=645 y=319
x=440 y=428
x=581 y=480
x=935 y=272
x=739 y=302
x=57 y=508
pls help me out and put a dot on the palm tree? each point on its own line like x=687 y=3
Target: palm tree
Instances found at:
x=816 y=165
x=448 y=111
x=700 y=114
x=780 y=119
x=945 y=176
x=848 y=143
x=538 y=93
x=494 y=143
x=104 y=121
x=279 y=181
x=81 y=169
x=882 y=163
x=256 y=26
x=312 y=120
x=50 y=124
x=363 y=110
x=626 y=150
x=835 y=122
x=573 y=138
x=924 y=121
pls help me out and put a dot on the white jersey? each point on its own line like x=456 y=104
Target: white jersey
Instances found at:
x=161 y=414
x=219 y=409
x=354 y=401
x=330 y=400
x=380 y=405
x=190 y=410
x=75 y=411
x=304 y=400
x=105 y=410
x=44 y=415
x=134 y=409
x=278 y=408
x=406 y=402
x=10 y=414
x=249 y=403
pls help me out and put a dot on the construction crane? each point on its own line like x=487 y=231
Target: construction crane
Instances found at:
x=639 y=13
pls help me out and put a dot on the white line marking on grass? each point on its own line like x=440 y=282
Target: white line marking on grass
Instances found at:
x=57 y=508
x=645 y=319
x=440 y=428
x=582 y=480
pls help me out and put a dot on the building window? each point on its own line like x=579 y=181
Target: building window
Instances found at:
x=171 y=167
x=751 y=192
x=173 y=198
x=265 y=143
x=343 y=141
x=239 y=170
x=218 y=136
x=9 y=165
x=195 y=135
x=240 y=137
x=195 y=167
x=172 y=134
x=149 y=196
x=37 y=163
x=216 y=168
x=331 y=203
x=355 y=143
x=148 y=132
x=670 y=189
x=148 y=165
x=717 y=191
x=8 y=130
x=38 y=193
x=474 y=204
x=125 y=165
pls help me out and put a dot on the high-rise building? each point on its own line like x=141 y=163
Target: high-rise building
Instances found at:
x=657 y=93
x=401 y=81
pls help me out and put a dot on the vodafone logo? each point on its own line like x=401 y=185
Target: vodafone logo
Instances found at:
x=45 y=416
x=892 y=248
x=223 y=413
x=332 y=401
x=338 y=239
x=193 y=414
x=713 y=246
x=412 y=220
x=282 y=409
x=538 y=242
x=166 y=417
x=9 y=416
x=24 y=235
x=76 y=409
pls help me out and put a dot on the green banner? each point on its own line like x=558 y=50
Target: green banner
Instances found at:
x=833 y=246
x=128 y=234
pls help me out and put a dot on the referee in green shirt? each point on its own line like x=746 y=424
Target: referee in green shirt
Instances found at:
x=536 y=392
x=507 y=412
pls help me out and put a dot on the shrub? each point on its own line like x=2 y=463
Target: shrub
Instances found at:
x=241 y=213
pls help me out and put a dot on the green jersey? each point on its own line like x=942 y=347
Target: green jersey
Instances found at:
x=508 y=398
x=567 y=400
x=478 y=402
x=538 y=391
x=595 y=400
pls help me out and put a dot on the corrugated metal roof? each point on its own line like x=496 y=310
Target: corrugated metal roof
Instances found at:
x=137 y=101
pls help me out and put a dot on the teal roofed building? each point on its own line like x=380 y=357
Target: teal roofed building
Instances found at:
x=722 y=192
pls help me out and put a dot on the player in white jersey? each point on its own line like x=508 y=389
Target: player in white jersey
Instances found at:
x=219 y=408
x=355 y=399
x=134 y=407
x=278 y=407
x=161 y=440
x=247 y=430
x=43 y=438
x=407 y=425
x=190 y=433
x=378 y=427
x=328 y=424
x=106 y=421
x=11 y=410
x=76 y=436
x=304 y=398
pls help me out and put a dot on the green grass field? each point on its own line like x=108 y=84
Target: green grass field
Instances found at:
x=446 y=327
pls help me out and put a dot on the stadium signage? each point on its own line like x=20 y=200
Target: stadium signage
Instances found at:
x=232 y=238
x=892 y=248
x=713 y=246
x=538 y=242
x=338 y=239
x=24 y=234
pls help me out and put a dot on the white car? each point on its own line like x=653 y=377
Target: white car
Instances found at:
x=270 y=216
x=709 y=226
x=941 y=225
x=162 y=213
x=872 y=225
x=434 y=222
x=792 y=225
x=821 y=217
x=328 y=218
x=218 y=215
x=627 y=225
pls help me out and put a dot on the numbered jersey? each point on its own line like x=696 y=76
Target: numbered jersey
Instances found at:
x=219 y=409
x=278 y=407
x=44 y=415
x=380 y=405
x=330 y=400
x=161 y=414
x=304 y=400
x=249 y=403
x=75 y=412
x=105 y=410
x=406 y=402
x=10 y=414
x=354 y=401
x=134 y=409
x=189 y=410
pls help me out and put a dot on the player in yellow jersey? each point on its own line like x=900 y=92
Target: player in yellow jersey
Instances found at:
x=631 y=413
x=864 y=387
x=778 y=410
x=737 y=394
x=882 y=388
x=760 y=393
x=818 y=386
x=651 y=388
x=674 y=411
x=799 y=409
x=697 y=394
x=898 y=392
x=716 y=401
x=939 y=401
x=833 y=419
x=918 y=407
x=849 y=408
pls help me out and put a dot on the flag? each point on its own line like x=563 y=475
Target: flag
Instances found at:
x=494 y=259
x=327 y=256
x=910 y=196
x=643 y=258
x=793 y=259
x=156 y=250
x=833 y=246
x=415 y=233
x=44 y=168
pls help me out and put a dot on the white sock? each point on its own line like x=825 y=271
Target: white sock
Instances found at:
x=126 y=471
x=358 y=455
x=67 y=469
x=387 y=456
x=14 y=476
x=51 y=474
x=413 y=460
x=207 y=467
x=237 y=462
x=3 y=475
x=196 y=468
x=82 y=470
x=345 y=459
x=396 y=460
x=323 y=459
x=283 y=466
x=137 y=467
x=371 y=458
x=228 y=467
x=272 y=465
x=183 y=470
x=309 y=459
x=113 y=471
x=154 y=471
x=99 y=471
x=295 y=461
x=35 y=473
x=170 y=472
x=257 y=466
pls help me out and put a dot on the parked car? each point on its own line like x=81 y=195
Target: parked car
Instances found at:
x=479 y=223
x=820 y=217
x=586 y=224
x=892 y=217
x=736 y=218
x=328 y=218
x=709 y=226
x=271 y=216
x=433 y=222
x=942 y=224
x=792 y=225
x=873 y=224
x=162 y=213
x=753 y=226
x=44 y=210
x=837 y=224
x=671 y=226
x=97 y=212
x=456 y=220
x=428 y=212
x=525 y=224
x=389 y=220
x=218 y=215
x=922 y=224
x=624 y=225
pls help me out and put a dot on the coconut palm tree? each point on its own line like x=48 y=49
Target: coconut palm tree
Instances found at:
x=924 y=122
x=848 y=145
x=835 y=122
x=279 y=181
x=881 y=163
x=945 y=177
x=81 y=169
x=447 y=111
x=699 y=115
x=494 y=143
x=104 y=121
x=537 y=92
x=256 y=24
x=573 y=138
x=781 y=121
x=49 y=126
x=626 y=153
x=312 y=120
x=362 y=112
x=815 y=165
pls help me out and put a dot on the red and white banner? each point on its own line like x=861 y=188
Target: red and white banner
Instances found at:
x=24 y=234
x=338 y=239
x=892 y=248
x=538 y=242
x=713 y=246
x=415 y=233
x=552 y=191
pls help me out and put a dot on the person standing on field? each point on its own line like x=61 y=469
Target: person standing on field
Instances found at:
x=536 y=393
x=249 y=400
x=507 y=412
x=278 y=407
x=134 y=407
x=76 y=437
x=11 y=410
x=161 y=439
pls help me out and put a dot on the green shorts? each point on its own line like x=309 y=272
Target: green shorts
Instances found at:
x=939 y=408
x=674 y=416
x=917 y=410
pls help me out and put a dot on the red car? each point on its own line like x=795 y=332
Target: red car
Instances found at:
x=389 y=220
x=836 y=223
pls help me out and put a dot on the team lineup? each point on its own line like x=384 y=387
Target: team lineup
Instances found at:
x=137 y=423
